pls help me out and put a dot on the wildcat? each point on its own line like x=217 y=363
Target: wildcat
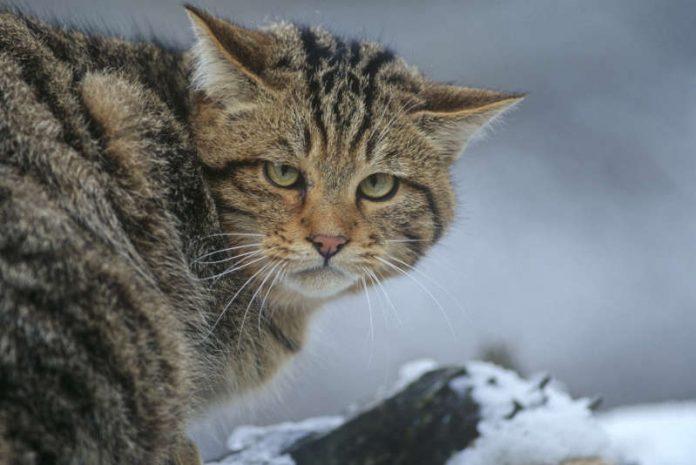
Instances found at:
x=170 y=220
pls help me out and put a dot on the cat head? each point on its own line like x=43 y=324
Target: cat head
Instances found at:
x=329 y=160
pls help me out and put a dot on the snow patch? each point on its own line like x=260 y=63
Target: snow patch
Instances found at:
x=662 y=434
x=524 y=422
x=262 y=445
x=411 y=371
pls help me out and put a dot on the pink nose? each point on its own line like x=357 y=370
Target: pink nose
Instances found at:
x=327 y=246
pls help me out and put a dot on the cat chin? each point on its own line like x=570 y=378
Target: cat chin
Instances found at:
x=319 y=283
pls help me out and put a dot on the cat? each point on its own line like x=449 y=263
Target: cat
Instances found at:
x=171 y=219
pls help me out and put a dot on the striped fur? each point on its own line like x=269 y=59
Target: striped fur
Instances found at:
x=129 y=171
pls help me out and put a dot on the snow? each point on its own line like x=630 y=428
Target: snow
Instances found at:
x=411 y=371
x=660 y=434
x=256 y=445
x=527 y=422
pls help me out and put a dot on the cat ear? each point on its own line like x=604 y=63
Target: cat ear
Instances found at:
x=229 y=59
x=450 y=116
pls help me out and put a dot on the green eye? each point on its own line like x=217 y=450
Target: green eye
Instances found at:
x=378 y=186
x=282 y=175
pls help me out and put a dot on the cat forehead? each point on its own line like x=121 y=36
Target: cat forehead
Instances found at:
x=344 y=68
x=350 y=90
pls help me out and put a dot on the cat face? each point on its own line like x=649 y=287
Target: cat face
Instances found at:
x=328 y=160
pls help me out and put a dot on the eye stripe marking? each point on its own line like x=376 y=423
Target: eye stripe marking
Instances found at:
x=216 y=173
x=224 y=207
x=432 y=205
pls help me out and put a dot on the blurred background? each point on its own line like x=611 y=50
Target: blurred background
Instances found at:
x=574 y=252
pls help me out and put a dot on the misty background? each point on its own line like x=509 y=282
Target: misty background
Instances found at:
x=575 y=243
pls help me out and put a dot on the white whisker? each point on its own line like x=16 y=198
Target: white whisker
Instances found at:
x=425 y=289
x=251 y=301
x=276 y=278
x=431 y=280
x=224 y=310
x=372 y=325
x=233 y=269
x=230 y=234
x=381 y=302
x=376 y=279
x=236 y=267
x=245 y=246
x=234 y=257
x=406 y=240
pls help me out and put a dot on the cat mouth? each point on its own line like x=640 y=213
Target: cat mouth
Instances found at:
x=325 y=268
x=320 y=281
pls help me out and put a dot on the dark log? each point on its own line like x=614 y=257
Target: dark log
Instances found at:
x=423 y=424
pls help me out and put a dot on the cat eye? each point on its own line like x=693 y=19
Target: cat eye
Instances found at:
x=282 y=175
x=378 y=187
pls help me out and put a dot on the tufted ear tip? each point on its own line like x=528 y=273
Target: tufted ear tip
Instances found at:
x=196 y=15
x=191 y=9
x=451 y=115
